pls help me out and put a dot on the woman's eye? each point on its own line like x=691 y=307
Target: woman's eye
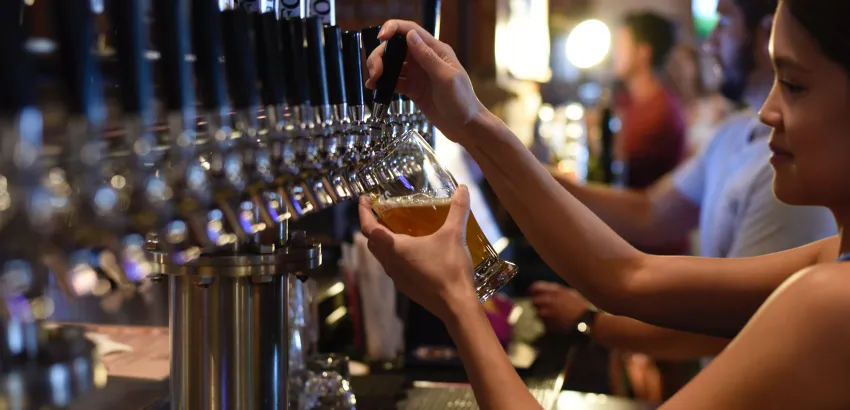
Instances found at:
x=791 y=87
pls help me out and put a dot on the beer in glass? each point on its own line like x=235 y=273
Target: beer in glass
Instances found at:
x=413 y=197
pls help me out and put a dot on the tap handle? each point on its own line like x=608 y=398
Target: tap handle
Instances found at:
x=206 y=40
x=336 y=74
x=239 y=58
x=294 y=54
x=323 y=9
x=316 y=61
x=431 y=16
x=16 y=79
x=81 y=75
x=175 y=44
x=370 y=39
x=369 y=43
x=353 y=67
x=269 y=58
x=131 y=38
x=394 y=55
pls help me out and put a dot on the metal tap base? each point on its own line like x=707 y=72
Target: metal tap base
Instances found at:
x=229 y=328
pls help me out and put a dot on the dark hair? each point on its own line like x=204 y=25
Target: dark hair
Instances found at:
x=826 y=21
x=656 y=31
x=755 y=11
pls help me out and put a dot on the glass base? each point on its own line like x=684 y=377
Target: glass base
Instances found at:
x=491 y=275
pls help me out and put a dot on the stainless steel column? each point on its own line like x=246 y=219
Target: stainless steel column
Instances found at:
x=230 y=331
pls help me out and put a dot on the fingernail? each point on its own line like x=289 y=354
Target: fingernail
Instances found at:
x=381 y=31
x=414 y=38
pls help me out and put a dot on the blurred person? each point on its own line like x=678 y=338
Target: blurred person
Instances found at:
x=705 y=108
x=786 y=310
x=652 y=136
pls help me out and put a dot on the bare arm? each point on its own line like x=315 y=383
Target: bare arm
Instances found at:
x=625 y=333
x=561 y=308
x=675 y=292
x=656 y=217
x=494 y=380
x=792 y=355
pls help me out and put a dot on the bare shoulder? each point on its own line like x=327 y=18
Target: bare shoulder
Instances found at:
x=791 y=355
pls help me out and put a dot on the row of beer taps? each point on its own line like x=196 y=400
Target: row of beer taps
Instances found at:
x=265 y=120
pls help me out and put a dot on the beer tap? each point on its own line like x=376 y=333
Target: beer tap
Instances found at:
x=87 y=200
x=222 y=162
x=271 y=68
x=184 y=237
x=381 y=123
x=353 y=69
x=369 y=43
x=299 y=122
x=25 y=210
x=343 y=130
x=240 y=63
x=144 y=192
x=322 y=130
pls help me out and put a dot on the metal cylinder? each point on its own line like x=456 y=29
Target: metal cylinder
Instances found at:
x=229 y=342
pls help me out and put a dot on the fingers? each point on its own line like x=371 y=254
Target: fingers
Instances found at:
x=369 y=224
x=426 y=54
x=404 y=27
x=422 y=50
x=459 y=212
x=543 y=287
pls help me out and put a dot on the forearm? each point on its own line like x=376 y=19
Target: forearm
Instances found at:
x=675 y=292
x=567 y=235
x=494 y=381
x=624 y=333
x=628 y=212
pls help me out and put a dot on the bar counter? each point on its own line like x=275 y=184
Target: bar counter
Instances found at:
x=561 y=362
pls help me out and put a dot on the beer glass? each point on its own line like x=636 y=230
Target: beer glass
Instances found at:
x=411 y=194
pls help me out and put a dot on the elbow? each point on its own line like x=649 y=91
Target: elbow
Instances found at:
x=623 y=295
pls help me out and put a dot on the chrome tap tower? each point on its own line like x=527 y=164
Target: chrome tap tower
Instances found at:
x=256 y=118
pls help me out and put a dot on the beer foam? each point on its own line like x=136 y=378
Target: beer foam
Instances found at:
x=409 y=201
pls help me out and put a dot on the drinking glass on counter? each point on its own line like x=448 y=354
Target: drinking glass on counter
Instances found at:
x=327 y=385
x=412 y=196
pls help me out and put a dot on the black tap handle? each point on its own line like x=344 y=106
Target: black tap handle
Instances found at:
x=16 y=78
x=239 y=58
x=269 y=58
x=174 y=40
x=333 y=57
x=369 y=44
x=431 y=16
x=394 y=56
x=370 y=40
x=316 y=61
x=134 y=70
x=76 y=37
x=353 y=67
x=206 y=39
x=294 y=54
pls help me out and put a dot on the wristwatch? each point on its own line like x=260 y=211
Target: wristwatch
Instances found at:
x=585 y=322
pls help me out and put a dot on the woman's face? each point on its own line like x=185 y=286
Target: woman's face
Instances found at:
x=809 y=110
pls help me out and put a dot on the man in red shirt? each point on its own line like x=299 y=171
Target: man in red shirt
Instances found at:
x=652 y=138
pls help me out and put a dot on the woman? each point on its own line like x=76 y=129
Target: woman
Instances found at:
x=789 y=311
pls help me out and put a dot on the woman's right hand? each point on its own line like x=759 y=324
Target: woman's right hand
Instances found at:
x=432 y=77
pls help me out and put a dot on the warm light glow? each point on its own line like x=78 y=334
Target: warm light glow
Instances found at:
x=522 y=40
x=546 y=113
x=574 y=112
x=588 y=44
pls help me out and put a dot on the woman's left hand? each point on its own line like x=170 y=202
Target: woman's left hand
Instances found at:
x=435 y=270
